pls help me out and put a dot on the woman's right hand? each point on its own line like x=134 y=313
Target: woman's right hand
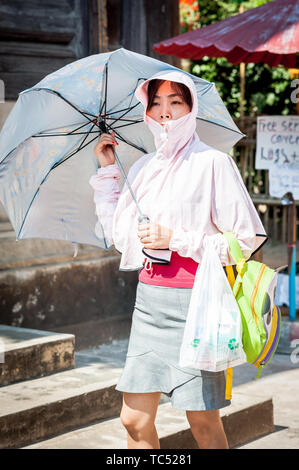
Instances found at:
x=104 y=150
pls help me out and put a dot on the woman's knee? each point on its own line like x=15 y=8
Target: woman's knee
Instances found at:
x=138 y=415
x=205 y=421
x=207 y=428
x=136 y=423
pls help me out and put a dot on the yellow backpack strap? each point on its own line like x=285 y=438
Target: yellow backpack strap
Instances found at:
x=229 y=383
x=230 y=275
x=229 y=371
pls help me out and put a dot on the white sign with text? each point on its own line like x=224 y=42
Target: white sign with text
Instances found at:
x=277 y=142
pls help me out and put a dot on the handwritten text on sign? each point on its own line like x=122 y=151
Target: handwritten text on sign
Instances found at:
x=283 y=180
x=277 y=142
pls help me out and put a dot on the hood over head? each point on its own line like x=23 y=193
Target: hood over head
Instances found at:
x=172 y=137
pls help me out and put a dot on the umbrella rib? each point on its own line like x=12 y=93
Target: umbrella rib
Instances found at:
x=126 y=125
x=49 y=90
x=61 y=134
x=102 y=94
x=127 y=141
x=81 y=146
x=123 y=109
x=133 y=92
x=127 y=111
x=73 y=132
x=106 y=89
x=121 y=101
x=221 y=125
x=127 y=120
x=80 y=127
x=132 y=96
x=60 y=96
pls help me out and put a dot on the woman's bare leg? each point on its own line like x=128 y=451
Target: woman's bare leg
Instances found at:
x=207 y=429
x=138 y=417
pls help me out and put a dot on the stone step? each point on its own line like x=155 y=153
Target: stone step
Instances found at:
x=27 y=353
x=3 y=213
x=6 y=232
x=31 y=259
x=62 y=296
x=37 y=251
x=6 y=227
x=39 y=408
x=245 y=417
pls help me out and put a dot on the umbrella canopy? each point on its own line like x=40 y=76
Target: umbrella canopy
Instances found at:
x=47 y=141
x=268 y=34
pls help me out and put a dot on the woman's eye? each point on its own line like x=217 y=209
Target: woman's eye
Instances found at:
x=173 y=102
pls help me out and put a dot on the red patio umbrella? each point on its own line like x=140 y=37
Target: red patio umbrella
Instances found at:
x=268 y=34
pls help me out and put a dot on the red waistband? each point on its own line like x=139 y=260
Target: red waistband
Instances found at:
x=180 y=272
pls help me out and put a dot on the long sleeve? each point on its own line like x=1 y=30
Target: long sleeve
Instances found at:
x=106 y=195
x=231 y=210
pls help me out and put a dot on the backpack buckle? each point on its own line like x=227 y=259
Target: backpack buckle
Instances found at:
x=241 y=265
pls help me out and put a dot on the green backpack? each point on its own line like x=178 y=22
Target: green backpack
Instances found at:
x=254 y=289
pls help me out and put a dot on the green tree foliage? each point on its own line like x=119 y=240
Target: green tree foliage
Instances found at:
x=267 y=89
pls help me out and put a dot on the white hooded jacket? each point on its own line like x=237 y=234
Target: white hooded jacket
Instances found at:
x=186 y=185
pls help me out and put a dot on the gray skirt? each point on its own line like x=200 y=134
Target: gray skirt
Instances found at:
x=152 y=361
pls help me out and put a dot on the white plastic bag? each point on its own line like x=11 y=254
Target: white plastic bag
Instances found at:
x=213 y=332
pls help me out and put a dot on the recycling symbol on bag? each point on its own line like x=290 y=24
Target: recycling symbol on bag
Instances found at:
x=232 y=344
x=195 y=343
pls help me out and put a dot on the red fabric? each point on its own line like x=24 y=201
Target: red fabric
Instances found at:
x=180 y=272
x=268 y=34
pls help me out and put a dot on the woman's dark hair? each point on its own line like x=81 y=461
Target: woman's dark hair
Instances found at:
x=179 y=88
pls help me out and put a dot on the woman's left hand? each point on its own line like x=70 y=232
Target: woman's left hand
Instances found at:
x=154 y=236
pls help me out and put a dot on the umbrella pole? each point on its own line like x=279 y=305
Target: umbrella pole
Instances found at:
x=142 y=217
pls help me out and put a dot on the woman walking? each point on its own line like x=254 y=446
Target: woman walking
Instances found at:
x=189 y=191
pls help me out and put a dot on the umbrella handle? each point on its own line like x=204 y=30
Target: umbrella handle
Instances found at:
x=143 y=219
